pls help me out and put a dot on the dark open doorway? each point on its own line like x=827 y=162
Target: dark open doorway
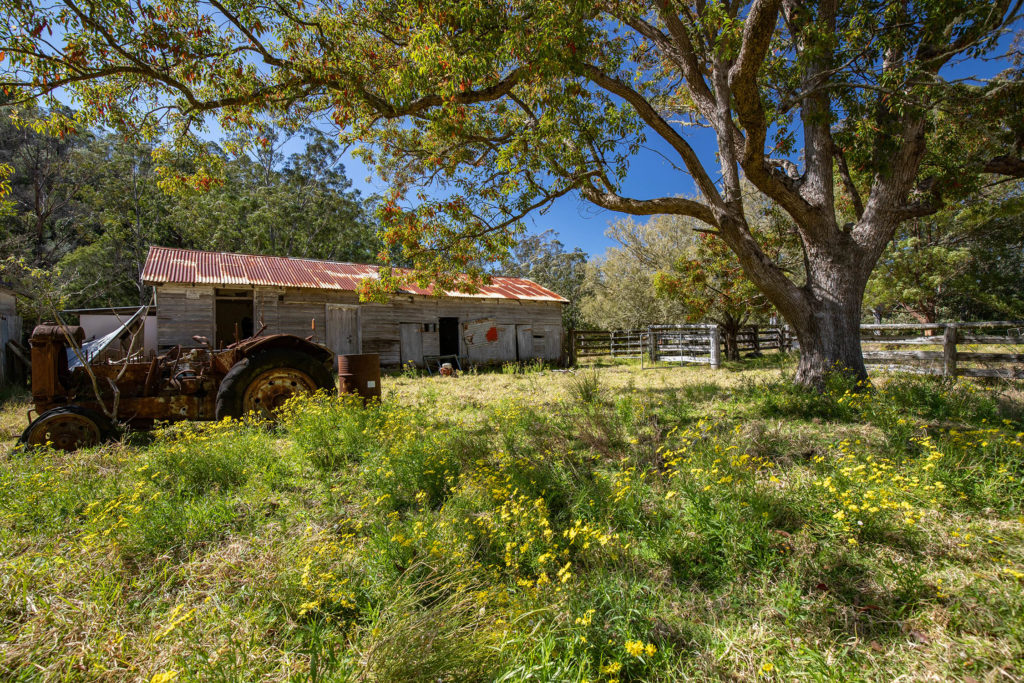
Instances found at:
x=234 y=315
x=448 y=336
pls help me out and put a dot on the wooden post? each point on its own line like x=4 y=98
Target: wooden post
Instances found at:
x=714 y=340
x=757 y=338
x=949 y=351
x=572 y=348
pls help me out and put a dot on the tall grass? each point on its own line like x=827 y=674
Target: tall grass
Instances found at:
x=707 y=530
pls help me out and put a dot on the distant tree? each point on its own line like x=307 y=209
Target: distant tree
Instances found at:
x=619 y=286
x=965 y=262
x=543 y=259
x=710 y=285
x=127 y=212
x=302 y=205
x=44 y=218
x=88 y=206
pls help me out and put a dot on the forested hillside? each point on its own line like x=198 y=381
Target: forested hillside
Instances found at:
x=85 y=206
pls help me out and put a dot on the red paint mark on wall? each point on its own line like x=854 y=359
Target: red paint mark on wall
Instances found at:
x=492 y=334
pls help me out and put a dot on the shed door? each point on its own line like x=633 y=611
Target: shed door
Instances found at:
x=411 y=335
x=524 y=341
x=343 y=328
x=3 y=349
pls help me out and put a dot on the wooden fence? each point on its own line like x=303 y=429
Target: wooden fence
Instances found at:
x=982 y=349
x=675 y=343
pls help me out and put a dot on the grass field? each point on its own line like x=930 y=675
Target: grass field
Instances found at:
x=606 y=524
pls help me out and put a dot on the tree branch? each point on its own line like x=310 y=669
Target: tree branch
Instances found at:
x=651 y=117
x=649 y=207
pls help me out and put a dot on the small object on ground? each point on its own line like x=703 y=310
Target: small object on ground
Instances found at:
x=447 y=370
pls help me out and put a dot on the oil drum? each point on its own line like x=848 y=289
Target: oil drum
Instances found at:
x=359 y=373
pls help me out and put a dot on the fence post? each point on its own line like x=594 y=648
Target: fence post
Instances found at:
x=572 y=348
x=757 y=338
x=714 y=339
x=949 y=351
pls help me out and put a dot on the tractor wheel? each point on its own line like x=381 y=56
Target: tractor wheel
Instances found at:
x=263 y=382
x=67 y=428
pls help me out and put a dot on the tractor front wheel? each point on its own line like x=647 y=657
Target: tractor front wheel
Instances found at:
x=67 y=428
x=263 y=382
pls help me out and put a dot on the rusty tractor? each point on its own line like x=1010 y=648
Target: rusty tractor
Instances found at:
x=81 y=392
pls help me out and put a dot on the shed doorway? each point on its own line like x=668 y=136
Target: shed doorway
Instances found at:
x=448 y=336
x=234 y=317
x=343 y=329
x=524 y=342
x=411 y=343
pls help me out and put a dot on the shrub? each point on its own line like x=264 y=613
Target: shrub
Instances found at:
x=585 y=386
x=332 y=431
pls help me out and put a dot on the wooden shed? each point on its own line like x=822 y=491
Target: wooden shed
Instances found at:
x=10 y=330
x=227 y=296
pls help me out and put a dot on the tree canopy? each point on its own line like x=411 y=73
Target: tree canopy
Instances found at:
x=87 y=206
x=964 y=263
x=849 y=114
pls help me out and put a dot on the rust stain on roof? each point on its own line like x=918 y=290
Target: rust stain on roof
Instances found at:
x=165 y=265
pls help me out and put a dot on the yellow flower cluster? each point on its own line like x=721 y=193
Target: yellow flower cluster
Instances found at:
x=637 y=648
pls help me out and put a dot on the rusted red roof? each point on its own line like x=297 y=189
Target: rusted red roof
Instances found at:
x=188 y=267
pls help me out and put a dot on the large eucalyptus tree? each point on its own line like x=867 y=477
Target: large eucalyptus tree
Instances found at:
x=849 y=114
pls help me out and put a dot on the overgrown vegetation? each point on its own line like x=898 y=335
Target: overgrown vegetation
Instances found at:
x=610 y=524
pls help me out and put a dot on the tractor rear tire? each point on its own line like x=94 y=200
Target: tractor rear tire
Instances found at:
x=262 y=382
x=67 y=428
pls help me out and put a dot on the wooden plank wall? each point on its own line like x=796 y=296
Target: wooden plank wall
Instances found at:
x=293 y=310
x=178 y=317
x=380 y=323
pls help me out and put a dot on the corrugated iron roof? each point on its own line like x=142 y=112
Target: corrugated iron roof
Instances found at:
x=165 y=265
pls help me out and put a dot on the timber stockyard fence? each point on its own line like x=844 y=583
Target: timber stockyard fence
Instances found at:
x=981 y=349
x=675 y=343
x=978 y=349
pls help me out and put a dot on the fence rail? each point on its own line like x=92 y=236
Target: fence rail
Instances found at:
x=958 y=349
x=675 y=343
x=978 y=349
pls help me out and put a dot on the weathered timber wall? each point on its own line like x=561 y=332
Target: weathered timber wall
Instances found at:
x=182 y=312
x=10 y=328
x=381 y=333
x=302 y=312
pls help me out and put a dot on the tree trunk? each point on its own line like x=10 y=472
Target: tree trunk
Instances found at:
x=825 y=312
x=732 y=345
x=829 y=342
x=826 y=317
x=730 y=336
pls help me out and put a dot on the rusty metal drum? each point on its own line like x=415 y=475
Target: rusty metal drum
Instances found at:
x=359 y=373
